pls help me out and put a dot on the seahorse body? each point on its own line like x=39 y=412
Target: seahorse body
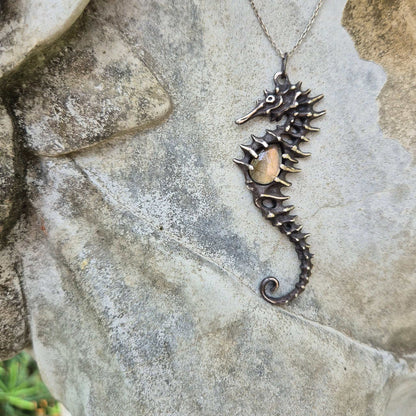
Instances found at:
x=268 y=159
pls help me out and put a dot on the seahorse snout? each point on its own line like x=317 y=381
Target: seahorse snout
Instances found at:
x=253 y=113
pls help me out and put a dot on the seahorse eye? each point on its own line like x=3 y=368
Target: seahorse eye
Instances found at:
x=270 y=99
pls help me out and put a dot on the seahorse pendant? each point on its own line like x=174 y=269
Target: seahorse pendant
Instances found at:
x=269 y=159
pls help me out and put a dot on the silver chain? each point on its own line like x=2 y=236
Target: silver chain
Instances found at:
x=302 y=36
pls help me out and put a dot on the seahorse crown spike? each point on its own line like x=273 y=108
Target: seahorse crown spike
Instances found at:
x=268 y=159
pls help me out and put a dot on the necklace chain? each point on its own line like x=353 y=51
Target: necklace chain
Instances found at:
x=301 y=37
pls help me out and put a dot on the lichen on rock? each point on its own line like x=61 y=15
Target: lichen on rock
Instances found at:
x=27 y=25
x=91 y=87
x=7 y=168
x=14 y=329
x=385 y=32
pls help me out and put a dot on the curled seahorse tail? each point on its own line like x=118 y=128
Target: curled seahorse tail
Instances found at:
x=271 y=284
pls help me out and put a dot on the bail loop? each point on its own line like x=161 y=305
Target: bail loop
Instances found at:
x=284 y=63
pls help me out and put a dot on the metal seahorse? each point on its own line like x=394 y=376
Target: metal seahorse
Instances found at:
x=268 y=159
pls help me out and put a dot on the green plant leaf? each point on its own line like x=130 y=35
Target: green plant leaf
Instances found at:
x=22 y=403
x=21 y=388
x=3 y=387
x=31 y=380
x=13 y=373
x=3 y=396
x=9 y=410
x=27 y=391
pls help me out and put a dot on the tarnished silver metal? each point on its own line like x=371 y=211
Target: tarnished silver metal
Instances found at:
x=284 y=64
x=268 y=159
x=291 y=107
x=301 y=37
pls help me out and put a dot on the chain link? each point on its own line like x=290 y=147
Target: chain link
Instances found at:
x=302 y=36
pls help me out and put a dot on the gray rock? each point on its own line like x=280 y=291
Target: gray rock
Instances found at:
x=403 y=397
x=14 y=330
x=142 y=257
x=26 y=25
x=8 y=183
x=94 y=88
x=146 y=324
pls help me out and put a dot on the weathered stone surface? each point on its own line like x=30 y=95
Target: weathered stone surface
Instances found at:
x=385 y=32
x=403 y=397
x=14 y=331
x=131 y=320
x=141 y=264
x=28 y=24
x=93 y=87
x=266 y=166
x=7 y=168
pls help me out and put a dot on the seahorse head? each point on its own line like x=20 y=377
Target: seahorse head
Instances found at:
x=281 y=101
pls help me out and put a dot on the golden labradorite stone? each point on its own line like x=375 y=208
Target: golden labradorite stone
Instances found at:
x=266 y=166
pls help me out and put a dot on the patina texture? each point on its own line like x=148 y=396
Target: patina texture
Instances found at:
x=385 y=32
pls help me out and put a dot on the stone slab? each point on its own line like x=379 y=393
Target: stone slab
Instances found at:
x=119 y=328
x=93 y=86
x=144 y=253
x=26 y=25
